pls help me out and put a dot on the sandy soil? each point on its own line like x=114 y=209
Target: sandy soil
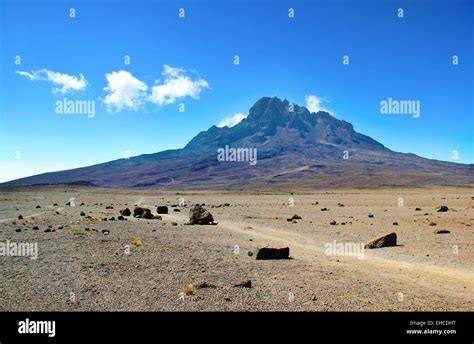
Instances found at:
x=79 y=270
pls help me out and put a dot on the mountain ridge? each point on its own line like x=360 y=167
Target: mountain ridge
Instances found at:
x=295 y=147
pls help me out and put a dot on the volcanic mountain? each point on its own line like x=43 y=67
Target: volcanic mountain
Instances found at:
x=295 y=148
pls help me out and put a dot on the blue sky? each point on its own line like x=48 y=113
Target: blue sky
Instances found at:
x=137 y=105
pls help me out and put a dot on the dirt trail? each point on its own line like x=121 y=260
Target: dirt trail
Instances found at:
x=444 y=280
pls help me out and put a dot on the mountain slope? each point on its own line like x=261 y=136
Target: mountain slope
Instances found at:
x=295 y=148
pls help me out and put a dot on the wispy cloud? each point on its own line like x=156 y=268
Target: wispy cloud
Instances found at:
x=231 y=121
x=65 y=82
x=176 y=85
x=125 y=91
x=313 y=104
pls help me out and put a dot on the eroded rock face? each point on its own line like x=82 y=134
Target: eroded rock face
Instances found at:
x=198 y=215
x=272 y=253
x=386 y=240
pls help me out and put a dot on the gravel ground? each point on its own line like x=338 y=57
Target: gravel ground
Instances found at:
x=88 y=270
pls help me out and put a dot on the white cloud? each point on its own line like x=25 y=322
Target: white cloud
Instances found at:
x=125 y=91
x=176 y=85
x=231 y=121
x=313 y=104
x=65 y=81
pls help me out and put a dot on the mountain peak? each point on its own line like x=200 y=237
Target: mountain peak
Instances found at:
x=273 y=123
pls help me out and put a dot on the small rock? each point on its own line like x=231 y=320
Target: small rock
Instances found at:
x=121 y=218
x=244 y=284
x=441 y=231
x=324 y=209
x=442 y=208
x=20 y=217
x=204 y=284
x=294 y=217
x=371 y=215
x=35 y=228
x=333 y=222
x=395 y=223
x=38 y=206
x=83 y=213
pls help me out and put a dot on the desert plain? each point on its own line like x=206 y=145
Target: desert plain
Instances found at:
x=85 y=263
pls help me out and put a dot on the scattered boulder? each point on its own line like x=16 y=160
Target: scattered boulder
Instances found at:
x=157 y=217
x=244 y=284
x=386 y=240
x=162 y=209
x=82 y=213
x=18 y=230
x=35 y=228
x=371 y=215
x=432 y=224
x=109 y=207
x=417 y=209
x=324 y=209
x=125 y=212
x=105 y=232
x=333 y=222
x=294 y=217
x=200 y=216
x=395 y=223
x=138 y=211
x=272 y=253
x=340 y=205
x=20 y=217
x=441 y=231
x=177 y=210
x=38 y=206
x=442 y=208
x=112 y=219
x=174 y=223
x=147 y=214
x=121 y=218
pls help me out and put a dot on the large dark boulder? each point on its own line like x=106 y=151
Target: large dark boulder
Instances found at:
x=386 y=240
x=125 y=212
x=138 y=211
x=147 y=214
x=198 y=215
x=162 y=209
x=272 y=253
